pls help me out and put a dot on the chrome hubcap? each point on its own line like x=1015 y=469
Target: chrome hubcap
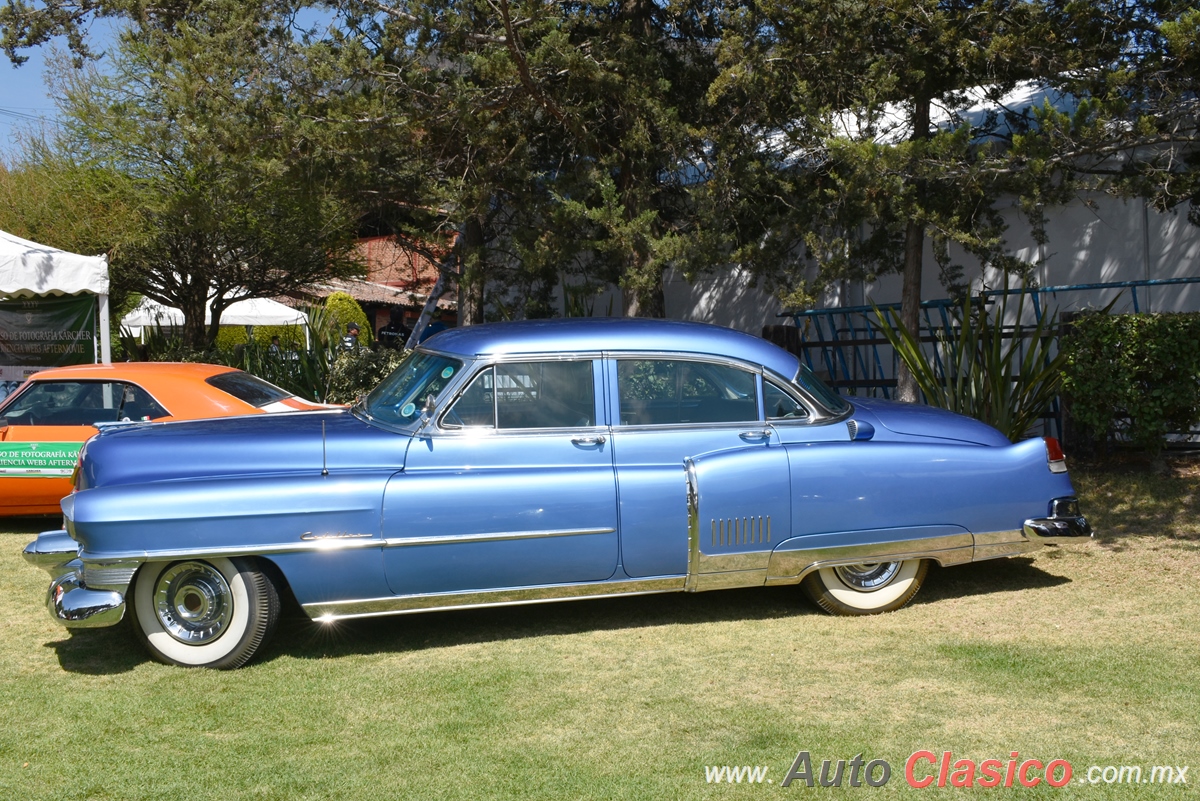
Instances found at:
x=867 y=577
x=193 y=602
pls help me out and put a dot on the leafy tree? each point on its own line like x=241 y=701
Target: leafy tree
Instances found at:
x=855 y=140
x=557 y=137
x=196 y=133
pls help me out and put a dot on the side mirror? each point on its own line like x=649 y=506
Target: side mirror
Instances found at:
x=427 y=410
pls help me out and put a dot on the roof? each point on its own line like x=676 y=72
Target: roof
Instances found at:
x=371 y=292
x=251 y=311
x=612 y=335
x=29 y=268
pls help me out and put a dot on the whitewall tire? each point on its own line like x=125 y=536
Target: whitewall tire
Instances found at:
x=214 y=613
x=865 y=589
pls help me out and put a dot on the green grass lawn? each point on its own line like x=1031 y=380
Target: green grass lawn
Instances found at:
x=1088 y=653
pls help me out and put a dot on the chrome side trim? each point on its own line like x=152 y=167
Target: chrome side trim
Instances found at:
x=730 y=580
x=790 y=566
x=475 y=599
x=167 y=554
x=108 y=575
x=741 y=530
x=727 y=562
x=693 y=520
x=995 y=544
x=440 y=539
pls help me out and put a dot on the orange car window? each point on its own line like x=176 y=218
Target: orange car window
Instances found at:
x=247 y=388
x=81 y=403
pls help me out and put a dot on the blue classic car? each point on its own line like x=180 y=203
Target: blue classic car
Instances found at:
x=537 y=461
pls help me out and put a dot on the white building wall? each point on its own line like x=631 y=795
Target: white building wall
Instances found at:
x=1106 y=239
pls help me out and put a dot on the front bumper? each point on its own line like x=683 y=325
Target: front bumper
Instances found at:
x=1065 y=524
x=69 y=600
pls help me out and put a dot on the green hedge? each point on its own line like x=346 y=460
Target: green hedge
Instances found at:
x=1134 y=375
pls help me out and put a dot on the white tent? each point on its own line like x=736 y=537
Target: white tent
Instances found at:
x=28 y=269
x=254 y=311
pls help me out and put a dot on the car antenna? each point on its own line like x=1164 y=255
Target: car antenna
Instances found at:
x=324 y=468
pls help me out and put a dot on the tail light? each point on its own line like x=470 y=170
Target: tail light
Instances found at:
x=1055 y=456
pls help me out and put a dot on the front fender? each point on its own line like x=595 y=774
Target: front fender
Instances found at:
x=253 y=514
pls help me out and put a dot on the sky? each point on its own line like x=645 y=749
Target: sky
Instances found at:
x=23 y=92
x=23 y=98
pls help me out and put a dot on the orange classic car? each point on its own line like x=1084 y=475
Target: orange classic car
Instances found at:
x=46 y=421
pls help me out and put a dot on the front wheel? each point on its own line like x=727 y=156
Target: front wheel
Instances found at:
x=865 y=589
x=213 y=613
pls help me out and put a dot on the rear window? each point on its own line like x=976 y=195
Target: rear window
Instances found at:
x=248 y=388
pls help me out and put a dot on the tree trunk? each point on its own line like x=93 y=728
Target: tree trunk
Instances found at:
x=193 y=306
x=471 y=281
x=651 y=303
x=910 y=306
x=914 y=248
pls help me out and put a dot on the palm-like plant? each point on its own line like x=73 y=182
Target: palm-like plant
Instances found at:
x=1005 y=376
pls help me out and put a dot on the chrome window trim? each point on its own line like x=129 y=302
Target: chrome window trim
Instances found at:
x=493 y=430
x=787 y=388
x=702 y=358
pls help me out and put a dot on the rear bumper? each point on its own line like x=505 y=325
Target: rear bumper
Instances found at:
x=1065 y=524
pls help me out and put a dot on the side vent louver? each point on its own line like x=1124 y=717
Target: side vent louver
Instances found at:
x=741 y=530
x=853 y=426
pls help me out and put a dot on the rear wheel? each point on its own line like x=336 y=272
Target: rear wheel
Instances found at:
x=212 y=613
x=867 y=588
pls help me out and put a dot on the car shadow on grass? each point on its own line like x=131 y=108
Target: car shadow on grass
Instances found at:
x=986 y=578
x=300 y=638
x=117 y=650
x=100 y=652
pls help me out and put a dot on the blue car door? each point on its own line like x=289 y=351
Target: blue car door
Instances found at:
x=513 y=486
x=669 y=409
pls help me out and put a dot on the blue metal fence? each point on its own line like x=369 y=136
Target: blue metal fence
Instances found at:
x=845 y=346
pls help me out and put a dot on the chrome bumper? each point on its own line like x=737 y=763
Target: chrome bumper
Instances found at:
x=77 y=607
x=69 y=601
x=1065 y=524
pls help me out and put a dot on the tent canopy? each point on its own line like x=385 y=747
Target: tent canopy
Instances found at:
x=254 y=311
x=27 y=268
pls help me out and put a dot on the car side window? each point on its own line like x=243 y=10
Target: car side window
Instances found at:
x=666 y=391
x=781 y=406
x=476 y=407
x=82 y=403
x=558 y=394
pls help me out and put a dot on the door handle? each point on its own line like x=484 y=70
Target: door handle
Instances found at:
x=756 y=435
x=589 y=440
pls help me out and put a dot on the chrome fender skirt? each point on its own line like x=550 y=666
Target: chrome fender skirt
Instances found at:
x=797 y=557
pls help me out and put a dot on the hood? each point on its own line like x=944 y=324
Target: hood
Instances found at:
x=918 y=420
x=237 y=446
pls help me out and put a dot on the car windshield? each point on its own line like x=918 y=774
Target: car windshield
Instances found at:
x=398 y=400
x=832 y=401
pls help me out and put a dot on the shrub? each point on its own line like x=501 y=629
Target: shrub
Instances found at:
x=1136 y=376
x=1006 y=378
x=357 y=372
x=342 y=309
